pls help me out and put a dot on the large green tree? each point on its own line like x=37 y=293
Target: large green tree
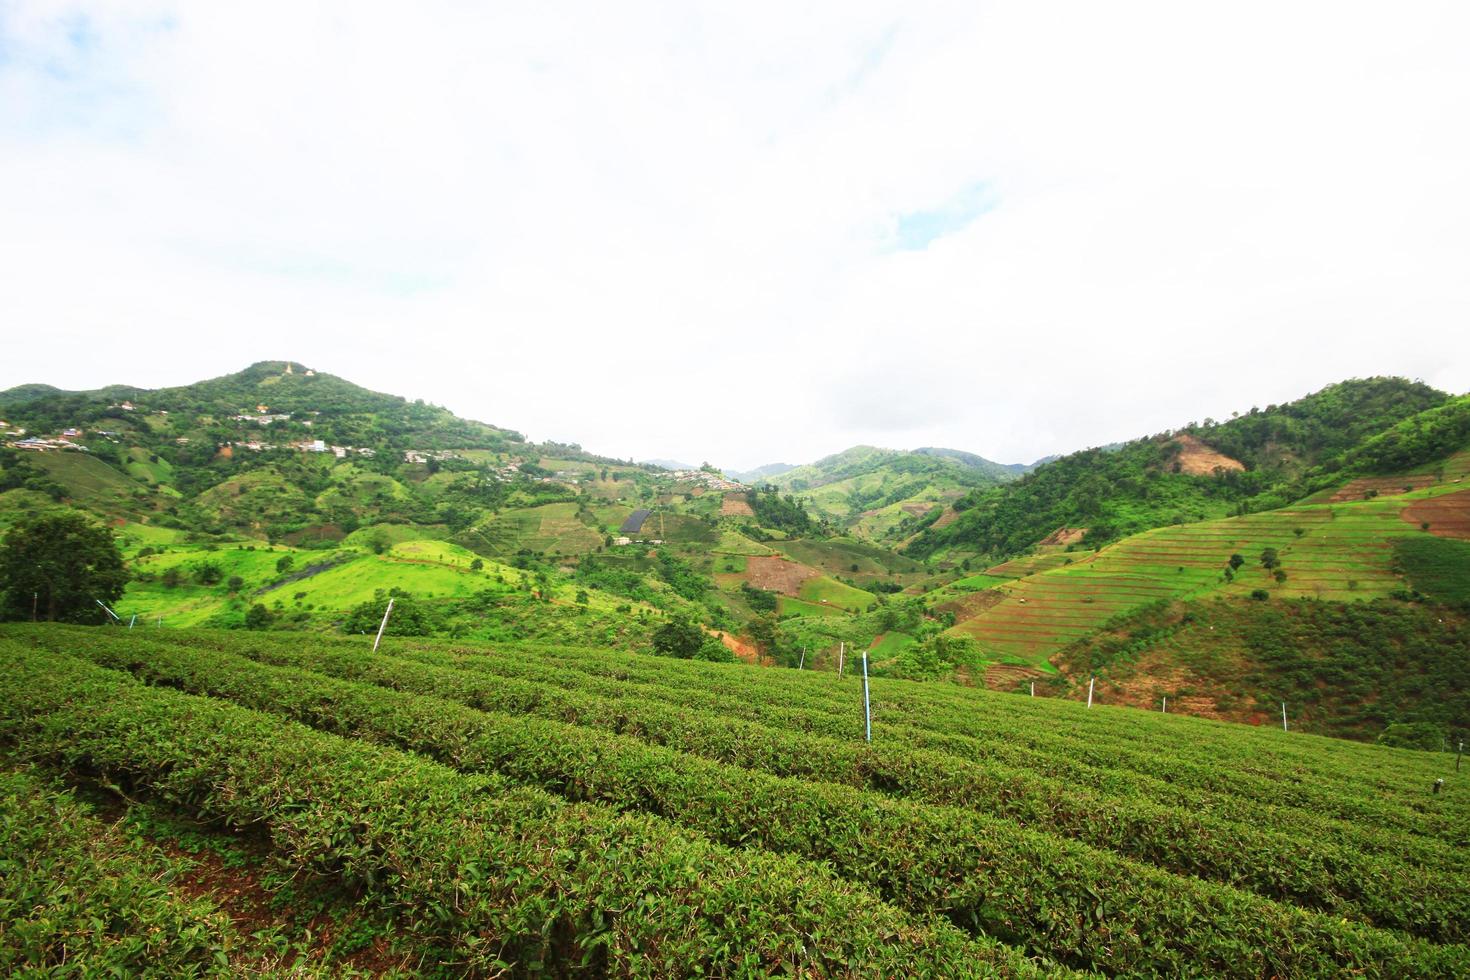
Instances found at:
x=59 y=565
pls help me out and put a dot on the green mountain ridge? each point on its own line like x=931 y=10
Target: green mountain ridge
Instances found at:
x=297 y=492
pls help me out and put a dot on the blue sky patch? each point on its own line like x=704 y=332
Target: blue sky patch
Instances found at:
x=916 y=229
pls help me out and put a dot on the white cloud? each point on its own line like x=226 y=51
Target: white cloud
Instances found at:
x=667 y=229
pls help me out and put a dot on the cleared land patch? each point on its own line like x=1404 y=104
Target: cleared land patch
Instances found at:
x=777 y=574
x=1447 y=515
x=735 y=505
x=1197 y=459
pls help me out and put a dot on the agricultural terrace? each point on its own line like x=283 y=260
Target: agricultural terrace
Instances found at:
x=532 y=808
x=552 y=529
x=1339 y=551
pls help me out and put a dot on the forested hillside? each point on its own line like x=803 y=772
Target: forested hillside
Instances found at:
x=1261 y=459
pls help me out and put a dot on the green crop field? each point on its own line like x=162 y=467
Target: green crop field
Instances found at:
x=532 y=809
x=788 y=606
x=827 y=591
x=1340 y=551
x=549 y=529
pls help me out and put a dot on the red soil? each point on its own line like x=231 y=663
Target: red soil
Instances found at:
x=776 y=574
x=735 y=505
x=1197 y=459
x=1448 y=516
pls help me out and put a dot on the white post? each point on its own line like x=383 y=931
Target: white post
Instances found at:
x=108 y=611
x=802 y=662
x=841 y=652
x=132 y=621
x=867 y=705
x=1090 y=682
x=1283 y=716
x=1165 y=708
x=1033 y=689
x=382 y=626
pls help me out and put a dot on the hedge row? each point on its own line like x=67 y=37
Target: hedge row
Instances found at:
x=1275 y=865
x=987 y=874
x=514 y=878
x=78 y=898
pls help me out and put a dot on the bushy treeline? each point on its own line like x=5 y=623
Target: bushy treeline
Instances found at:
x=1348 y=669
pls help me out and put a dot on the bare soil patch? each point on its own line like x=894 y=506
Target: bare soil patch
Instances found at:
x=743 y=649
x=1009 y=677
x=972 y=605
x=1447 y=516
x=776 y=574
x=1374 y=486
x=1197 y=459
x=949 y=516
x=735 y=505
x=1064 y=536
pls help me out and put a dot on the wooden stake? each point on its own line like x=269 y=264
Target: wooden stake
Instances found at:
x=803 y=659
x=1283 y=716
x=1165 y=708
x=841 y=652
x=1033 y=689
x=382 y=626
x=1090 y=682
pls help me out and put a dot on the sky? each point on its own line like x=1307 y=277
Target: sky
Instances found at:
x=745 y=233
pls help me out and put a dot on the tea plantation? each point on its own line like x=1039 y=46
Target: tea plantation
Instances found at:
x=190 y=802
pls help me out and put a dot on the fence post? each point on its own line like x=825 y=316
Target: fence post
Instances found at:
x=841 y=653
x=1283 y=716
x=867 y=705
x=1033 y=689
x=1165 y=708
x=382 y=626
x=802 y=662
x=1090 y=682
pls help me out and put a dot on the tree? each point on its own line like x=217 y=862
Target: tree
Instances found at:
x=284 y=563
x=477 y=565
x=1236 y=561
x=679 y=637
x=258 y=618
x=236 y=583
x=60 y=565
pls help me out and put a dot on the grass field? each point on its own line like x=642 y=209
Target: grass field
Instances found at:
x=551 y=529
x=94 y=484
x=540 y=809
x=788 y=606
x=827 y=591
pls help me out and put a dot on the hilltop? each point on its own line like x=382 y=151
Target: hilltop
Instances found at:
x=887 y=495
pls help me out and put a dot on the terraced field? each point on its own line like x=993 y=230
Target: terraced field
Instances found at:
x=531 y=810
x=550 y=529
x=1340 y=551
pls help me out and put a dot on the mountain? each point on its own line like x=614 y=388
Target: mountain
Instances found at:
x=669 y=464
x=760 y=472
x=1262 y=459
x=885 y=495
x=303 y=501
x=976 y=462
